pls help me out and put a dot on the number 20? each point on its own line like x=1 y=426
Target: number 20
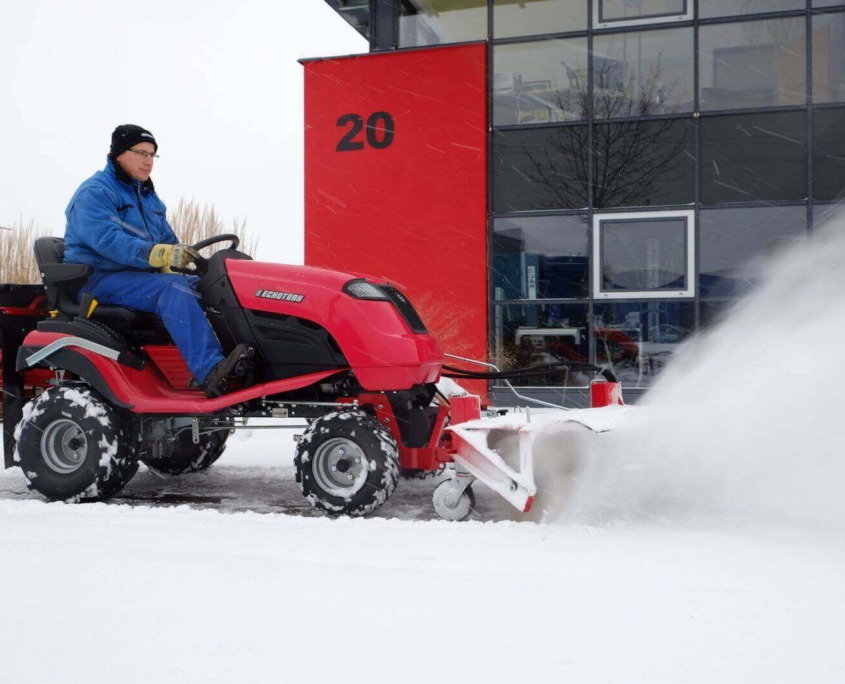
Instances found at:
x=348 y=143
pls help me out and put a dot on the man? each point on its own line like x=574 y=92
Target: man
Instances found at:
x=117 y=225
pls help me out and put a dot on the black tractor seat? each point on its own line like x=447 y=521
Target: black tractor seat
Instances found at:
x=63 y=281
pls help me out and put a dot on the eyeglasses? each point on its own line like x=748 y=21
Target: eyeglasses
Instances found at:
x=145 y=154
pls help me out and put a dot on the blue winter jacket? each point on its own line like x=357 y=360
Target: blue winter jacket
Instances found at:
x=113 y=221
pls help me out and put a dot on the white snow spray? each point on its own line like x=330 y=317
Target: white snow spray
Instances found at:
x=747 y=423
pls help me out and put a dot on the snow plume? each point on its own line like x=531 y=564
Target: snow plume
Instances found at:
x=747 y=422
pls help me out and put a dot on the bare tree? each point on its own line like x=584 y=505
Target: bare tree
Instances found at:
x=628 y=161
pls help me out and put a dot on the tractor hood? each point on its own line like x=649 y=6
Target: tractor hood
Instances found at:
x=384 y=341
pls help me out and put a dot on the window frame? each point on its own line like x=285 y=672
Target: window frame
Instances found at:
x=636 y=216
x=598 y=23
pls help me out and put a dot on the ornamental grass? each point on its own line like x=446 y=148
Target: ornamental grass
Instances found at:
x=191 y=222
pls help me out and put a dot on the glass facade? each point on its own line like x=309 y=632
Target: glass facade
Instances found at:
x=829 y=154
x=643 y=73
x=435 y=22
x=828 y=39
x=609 y=10
x=541 y=168
x=611 y=119
x=529 y=85
x=540 y=258
x=735 y=245
x=752 y=64
x=516 y=18
x=733 y=8
x=754 y=157
x=643 y=163
x=548 y=334
x=637 y=339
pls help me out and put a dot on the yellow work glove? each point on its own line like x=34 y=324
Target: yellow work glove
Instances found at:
x=167 y=257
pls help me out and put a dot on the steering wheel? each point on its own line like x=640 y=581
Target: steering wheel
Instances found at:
x=214 y=239
x=201 y=263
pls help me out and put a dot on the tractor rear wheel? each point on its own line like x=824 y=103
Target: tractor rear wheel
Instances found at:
x=188 y=457
x=72 y=445
x=347 y=463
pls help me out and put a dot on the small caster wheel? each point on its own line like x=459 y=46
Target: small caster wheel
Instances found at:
x=451 y=502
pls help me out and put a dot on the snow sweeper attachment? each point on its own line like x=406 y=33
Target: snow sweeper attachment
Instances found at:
x=498 y=449
x=107 y=389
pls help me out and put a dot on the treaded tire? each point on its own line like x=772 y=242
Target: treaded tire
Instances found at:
x=347 y=463
x=188 y=457
x=72 y=446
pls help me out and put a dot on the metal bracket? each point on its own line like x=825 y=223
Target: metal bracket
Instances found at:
x=515 y=485
x=293 y=404
x=458 y=485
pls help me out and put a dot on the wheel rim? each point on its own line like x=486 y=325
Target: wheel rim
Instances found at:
x=64 y=446
x=340 y=467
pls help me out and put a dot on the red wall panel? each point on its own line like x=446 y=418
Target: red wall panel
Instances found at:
x=408 y=205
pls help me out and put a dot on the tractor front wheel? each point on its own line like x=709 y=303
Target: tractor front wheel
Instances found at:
x=347 y=463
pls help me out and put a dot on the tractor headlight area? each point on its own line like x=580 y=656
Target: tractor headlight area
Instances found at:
x=362 y=289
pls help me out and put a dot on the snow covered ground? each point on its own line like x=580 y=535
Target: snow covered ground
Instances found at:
x=144 y=589
x=111 y=593
x=701 y=541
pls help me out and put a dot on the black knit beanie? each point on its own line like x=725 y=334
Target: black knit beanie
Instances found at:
x=126 y=136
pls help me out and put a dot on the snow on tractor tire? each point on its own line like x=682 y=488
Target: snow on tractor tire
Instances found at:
x=346 y=463
x=72 y=446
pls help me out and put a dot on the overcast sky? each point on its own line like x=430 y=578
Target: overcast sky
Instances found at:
x=217 y=83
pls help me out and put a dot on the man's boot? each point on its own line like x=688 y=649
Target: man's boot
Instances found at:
x=235 y=364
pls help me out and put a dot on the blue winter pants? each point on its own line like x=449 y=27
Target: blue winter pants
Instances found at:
x=175 y=300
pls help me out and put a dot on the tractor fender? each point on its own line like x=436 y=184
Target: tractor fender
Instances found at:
x=76 y=363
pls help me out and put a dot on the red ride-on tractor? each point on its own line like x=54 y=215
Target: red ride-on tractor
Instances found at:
x=347 y=353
